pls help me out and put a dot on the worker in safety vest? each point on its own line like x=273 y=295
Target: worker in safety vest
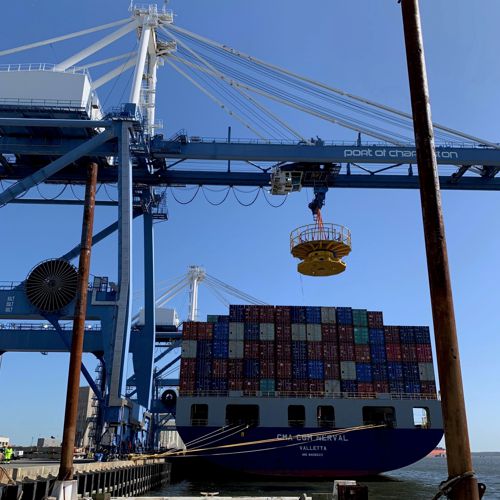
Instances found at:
x=8 y=453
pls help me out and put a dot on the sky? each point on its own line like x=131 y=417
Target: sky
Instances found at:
x=356 y=45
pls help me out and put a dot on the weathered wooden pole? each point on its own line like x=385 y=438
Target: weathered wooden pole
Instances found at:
x=450 y=377
x=75 y=360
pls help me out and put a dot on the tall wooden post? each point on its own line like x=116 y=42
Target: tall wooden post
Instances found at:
x=75 y=360
x=450 y=377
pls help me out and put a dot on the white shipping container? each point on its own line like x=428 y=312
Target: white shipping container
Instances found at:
x=236 y=331
x=298 y=331
x=426 y=372
x=189 y=348
x=348 y=370
x=236 y=349
x=164 y=316
x=266 y=331
x=328 y=315
x=332 y=386
x=313 y=332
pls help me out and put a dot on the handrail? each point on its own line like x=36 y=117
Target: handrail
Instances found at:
x=40 y=67
x=308 y=395
x=325 y=232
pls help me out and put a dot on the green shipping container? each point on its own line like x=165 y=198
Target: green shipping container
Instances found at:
x=361 y=335
x=359 y=317
x=212 y=318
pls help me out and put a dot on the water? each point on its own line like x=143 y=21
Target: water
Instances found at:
x=416 y=482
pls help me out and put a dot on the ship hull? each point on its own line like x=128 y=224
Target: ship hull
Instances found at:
x=349 y=454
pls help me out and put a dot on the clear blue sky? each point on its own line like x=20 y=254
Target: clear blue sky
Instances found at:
x=355 y=45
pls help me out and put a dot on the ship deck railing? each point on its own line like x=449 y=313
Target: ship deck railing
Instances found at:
x=309 y=395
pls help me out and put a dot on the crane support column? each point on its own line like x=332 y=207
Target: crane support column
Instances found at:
x=75 y=362
x=450 y=378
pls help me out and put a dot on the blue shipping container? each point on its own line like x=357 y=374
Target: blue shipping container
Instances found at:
x=348 y=386
x=313 y=315
x=412 y=388
x=219 y=384
x=395 y=372
x=223 y=320
x=251 y=331
x=251 y=368
x=299 y=349
x=364 y=372
x=396 y=386
x=221 y=331
x=406 y=335
x=377 y=353
x=203 y=368
x=379 y=372
x=299 y=370
x=376 y=335
x=315 y=370
x=203 y=384
x=411 y=372
x=204 y=349
x=237 y=313
x=344 y=315
x=422 y=335
x=297 y=314
x=221 y=349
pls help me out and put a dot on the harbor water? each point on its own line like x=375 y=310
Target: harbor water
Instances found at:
x=415 y=482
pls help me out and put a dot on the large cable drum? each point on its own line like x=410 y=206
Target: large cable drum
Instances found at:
x=51 y=285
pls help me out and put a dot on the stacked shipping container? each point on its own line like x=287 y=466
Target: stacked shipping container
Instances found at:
x=305 y=350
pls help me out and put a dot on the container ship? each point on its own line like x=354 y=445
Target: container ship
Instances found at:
x=307 y=392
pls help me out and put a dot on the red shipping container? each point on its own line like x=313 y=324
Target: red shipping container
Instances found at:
x=189 y=330
x=284 y=370
x=235 y=369
x=424 y=353
x=300 y=387
x=365 y=387
x=266 y=350
x=391 y=334
x=346 y=334
x=188 y=368
x=409 y=353
x=329 y=333
x=283 y=332
x=284 y=351
x=266 y=314
x=219 y=368
x=330 y=352
x=250 y=387
x=205 y=331
x=251 y=349
x=283 y=385
x=393 y=352
x=362 y=352
x=315 y=351
x=346 y=352
x=428 y=388
x=252 y=314
x=332 y=371
x=186 y=386
x=375 y=319
x=282 y=314
x=235 y=385
x=267 y=369
x=316 y=387
x=380 y=386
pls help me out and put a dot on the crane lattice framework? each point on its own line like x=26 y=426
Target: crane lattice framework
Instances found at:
x=52 y=123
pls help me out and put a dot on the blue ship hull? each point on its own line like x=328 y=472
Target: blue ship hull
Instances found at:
x=357 y=453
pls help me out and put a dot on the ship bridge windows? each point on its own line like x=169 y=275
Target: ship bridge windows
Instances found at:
x=326 y=417
x=296 y=416
x=421 y=418
x=379 y=415
x=242 y=415
x=199 y=415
